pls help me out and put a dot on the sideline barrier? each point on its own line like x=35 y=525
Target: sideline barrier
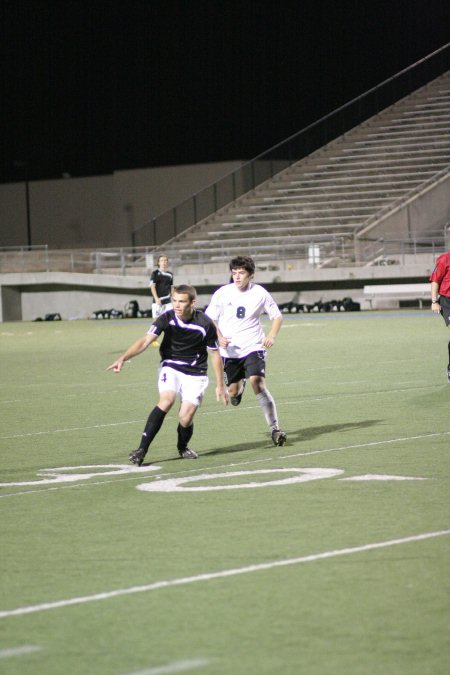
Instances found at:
x=397 y=292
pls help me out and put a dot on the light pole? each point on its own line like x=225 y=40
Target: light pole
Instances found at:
x=27 y=199
x=19 y=164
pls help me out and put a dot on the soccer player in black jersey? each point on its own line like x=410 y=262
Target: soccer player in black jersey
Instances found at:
x=189 y=335
x=161 y=283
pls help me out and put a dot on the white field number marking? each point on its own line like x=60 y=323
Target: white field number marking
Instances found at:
x=72 y=474
x=177 y=484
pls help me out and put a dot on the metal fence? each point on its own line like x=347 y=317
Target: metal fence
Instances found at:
x=97 y=261
x=318 y=252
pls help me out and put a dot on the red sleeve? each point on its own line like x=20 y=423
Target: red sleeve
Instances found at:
x=441 y=274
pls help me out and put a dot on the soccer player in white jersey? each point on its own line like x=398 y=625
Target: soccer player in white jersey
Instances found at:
x=189 y=336
x=236 y=309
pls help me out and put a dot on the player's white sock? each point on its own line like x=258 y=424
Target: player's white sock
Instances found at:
x=269 y=408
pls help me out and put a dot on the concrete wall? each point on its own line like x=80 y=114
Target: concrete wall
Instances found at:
x=10 y=303
x=76 y=296
x=99 y=211
x=76 y=304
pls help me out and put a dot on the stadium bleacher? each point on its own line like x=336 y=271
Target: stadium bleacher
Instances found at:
x=371 y=204
x=332 y=195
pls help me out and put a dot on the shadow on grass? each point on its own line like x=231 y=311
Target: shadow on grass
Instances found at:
x=298 y=436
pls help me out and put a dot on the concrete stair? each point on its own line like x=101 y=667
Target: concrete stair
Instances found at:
x=328 y=197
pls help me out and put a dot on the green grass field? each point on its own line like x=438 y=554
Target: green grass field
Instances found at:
x=328 y=556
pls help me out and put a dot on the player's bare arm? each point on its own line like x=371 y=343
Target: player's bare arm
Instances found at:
x=137 y=348
x=435 y=306
x=154 y=293
x=221 y=390
x=221 y=339
x=269 y=340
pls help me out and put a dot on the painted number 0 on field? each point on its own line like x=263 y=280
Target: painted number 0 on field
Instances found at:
x=179 y=484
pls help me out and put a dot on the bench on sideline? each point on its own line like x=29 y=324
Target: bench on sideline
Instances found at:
x=398 y=292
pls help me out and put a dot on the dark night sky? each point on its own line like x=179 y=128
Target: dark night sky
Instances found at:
x=89 y=87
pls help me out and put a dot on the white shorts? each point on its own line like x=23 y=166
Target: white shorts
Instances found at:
x=157 y=310
x=189 y=387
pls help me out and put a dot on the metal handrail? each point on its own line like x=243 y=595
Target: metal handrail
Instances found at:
x=402 y=201
x=125 y=261
x=218 y=195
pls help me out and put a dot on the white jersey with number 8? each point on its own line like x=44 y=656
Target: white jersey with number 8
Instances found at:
x=237 y=316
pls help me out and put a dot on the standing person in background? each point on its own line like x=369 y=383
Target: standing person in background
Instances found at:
x=236 y=309
x=161 y=283
x=440 y=293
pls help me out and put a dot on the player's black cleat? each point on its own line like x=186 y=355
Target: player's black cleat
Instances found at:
x=448 y=373
x=187 y=453
x=278 y=437
x=235 y=400
x=137 y=456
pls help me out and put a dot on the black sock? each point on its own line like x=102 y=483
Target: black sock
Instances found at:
x=154 y=423
x=184 y=436
x=449 y=354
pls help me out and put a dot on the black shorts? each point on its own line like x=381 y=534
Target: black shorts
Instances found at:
x=238 y=369
x=444 y=302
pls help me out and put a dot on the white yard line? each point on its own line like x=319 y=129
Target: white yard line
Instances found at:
x=174 y=667
x=209 y=576
x=18 y=651
x=368 y=445
x=228 y=411
x=60 y=431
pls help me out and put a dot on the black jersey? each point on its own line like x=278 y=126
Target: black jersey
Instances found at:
x=185 y=344
x=163 y=282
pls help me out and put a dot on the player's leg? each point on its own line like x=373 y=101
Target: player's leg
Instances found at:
x=445 y=311
x=448 y=367
x=191 y=394
x=168 y=387
x=185 y=430
x=255 y=368
x=234 y=378
x=236 y=390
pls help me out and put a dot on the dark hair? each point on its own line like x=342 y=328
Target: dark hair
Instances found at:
x=244 y=262
x=184 y=288
x=163 y=255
